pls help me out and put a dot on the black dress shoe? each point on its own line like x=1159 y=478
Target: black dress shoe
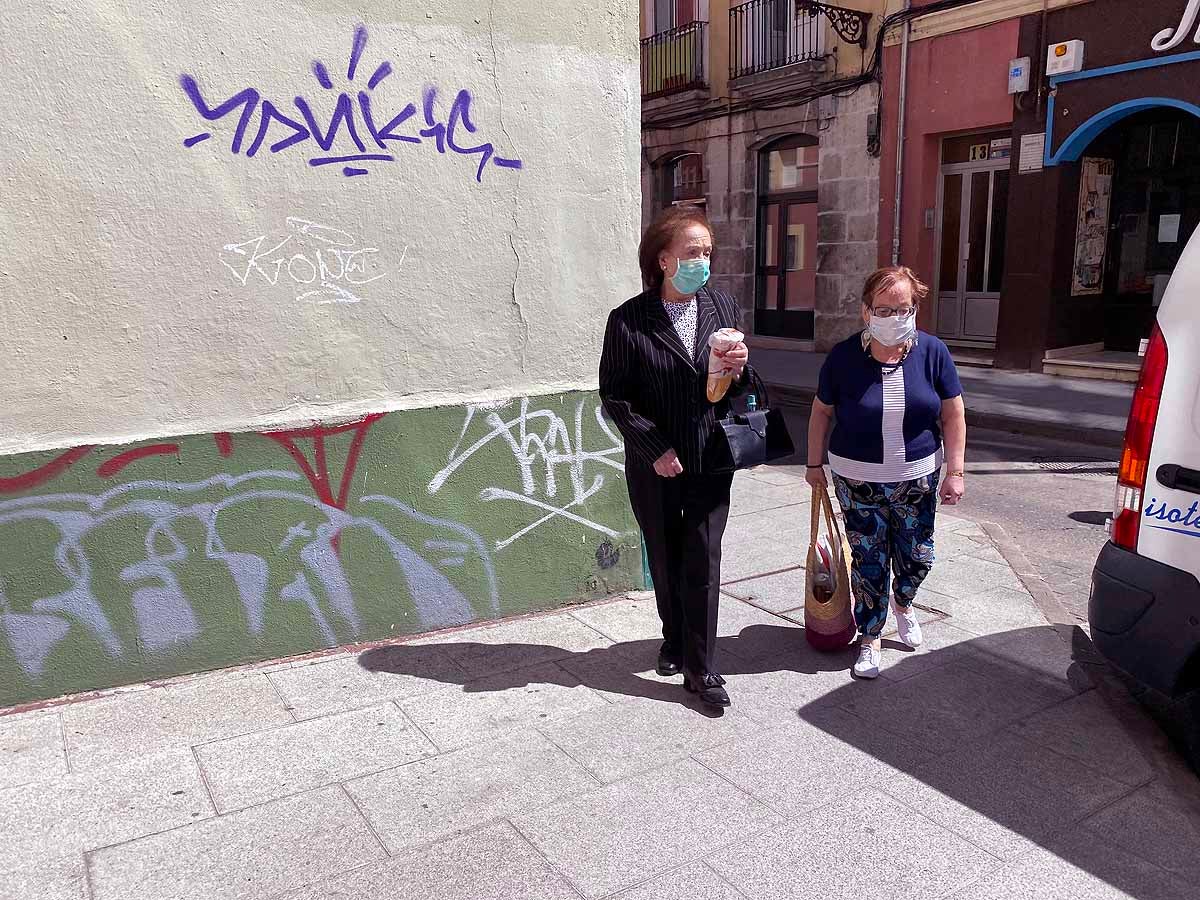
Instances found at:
x=710 y=688
x=668 y=662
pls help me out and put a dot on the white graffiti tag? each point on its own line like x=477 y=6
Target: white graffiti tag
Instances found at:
x=199 y=536
x=324 y=265
x=541 y=444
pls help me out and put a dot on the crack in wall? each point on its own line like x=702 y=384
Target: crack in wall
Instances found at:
x=512 y=243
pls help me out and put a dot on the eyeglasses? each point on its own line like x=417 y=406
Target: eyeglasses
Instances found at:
x=886 y=312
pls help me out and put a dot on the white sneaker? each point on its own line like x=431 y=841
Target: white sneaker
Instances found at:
x=908 y=626
x=868 y=660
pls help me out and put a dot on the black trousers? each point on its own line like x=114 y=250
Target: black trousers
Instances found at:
x=683 y=520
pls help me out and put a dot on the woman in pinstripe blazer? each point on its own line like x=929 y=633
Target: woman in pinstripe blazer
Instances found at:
x=653 y=378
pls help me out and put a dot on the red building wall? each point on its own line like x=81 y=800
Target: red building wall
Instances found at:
x=956 y=83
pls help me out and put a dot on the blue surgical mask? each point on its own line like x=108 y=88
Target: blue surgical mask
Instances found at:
x=691 y=276
x=894 y=330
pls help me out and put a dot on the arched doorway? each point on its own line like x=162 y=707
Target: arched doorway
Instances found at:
x=786 y=252
x=1139 y=204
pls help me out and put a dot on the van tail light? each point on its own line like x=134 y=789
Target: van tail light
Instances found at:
x=1139 y=435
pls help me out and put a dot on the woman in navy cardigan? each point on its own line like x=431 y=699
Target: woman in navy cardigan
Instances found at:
x=895 y=397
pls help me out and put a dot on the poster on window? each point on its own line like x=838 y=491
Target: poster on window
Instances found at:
x=1091 y=230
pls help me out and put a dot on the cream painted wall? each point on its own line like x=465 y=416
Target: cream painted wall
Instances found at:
x=133 y=300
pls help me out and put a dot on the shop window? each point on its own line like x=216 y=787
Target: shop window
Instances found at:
x=786 y=251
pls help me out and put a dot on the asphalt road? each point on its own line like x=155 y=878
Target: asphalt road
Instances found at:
x=1052 y=497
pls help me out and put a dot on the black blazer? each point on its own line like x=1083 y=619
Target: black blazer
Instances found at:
x=655 y=389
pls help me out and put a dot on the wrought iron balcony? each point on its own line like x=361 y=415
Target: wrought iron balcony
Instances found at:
x=675 y=60
x=770 y=34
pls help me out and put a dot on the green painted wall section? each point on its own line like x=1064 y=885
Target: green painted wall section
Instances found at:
x=124 y=564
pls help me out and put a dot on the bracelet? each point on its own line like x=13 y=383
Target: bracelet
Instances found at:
x=816 y=467
x=955 y=474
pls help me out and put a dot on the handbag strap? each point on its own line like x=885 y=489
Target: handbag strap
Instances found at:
x=835 y=529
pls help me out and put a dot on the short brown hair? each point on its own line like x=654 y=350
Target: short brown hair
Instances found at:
x=888 y=277
x=660 y=235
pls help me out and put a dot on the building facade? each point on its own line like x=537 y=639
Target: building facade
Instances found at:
x=302 y=334
x=1046 y=152
x=763 y=112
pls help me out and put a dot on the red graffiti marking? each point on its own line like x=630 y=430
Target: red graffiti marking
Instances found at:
x=317 y=471
x=224 y=443
x=28 y=480
x=117 y=463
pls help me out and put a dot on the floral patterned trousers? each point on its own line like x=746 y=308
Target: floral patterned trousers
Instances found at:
x=890 y=529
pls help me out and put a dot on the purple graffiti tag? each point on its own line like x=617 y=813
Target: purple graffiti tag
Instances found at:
x=247 y=99
x=322 y=75
x=343 y=127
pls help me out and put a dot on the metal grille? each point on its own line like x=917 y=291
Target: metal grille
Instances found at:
x=674 y=60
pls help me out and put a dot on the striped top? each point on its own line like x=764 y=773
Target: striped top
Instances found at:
x=895 y=467
x=888 y=418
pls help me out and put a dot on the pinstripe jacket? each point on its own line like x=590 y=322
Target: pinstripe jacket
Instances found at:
x=653 y=388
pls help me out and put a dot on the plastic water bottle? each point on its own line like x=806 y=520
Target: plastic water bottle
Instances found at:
x=751 y=403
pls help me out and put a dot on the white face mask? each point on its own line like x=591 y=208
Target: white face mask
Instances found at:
x=894 y=330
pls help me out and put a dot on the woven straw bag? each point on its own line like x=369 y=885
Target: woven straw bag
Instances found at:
x=829 y=623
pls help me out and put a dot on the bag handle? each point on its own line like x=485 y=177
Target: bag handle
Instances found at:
x=834 y=528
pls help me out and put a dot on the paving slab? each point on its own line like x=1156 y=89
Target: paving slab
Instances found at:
x=948 y=706
x=1150 y=824
x=750 y=634
x=779 y=690
x=693 y=882
x=778 y=593
x=518 y=644
x=268 y=765
x=257 y=852
x=1040 y=653
x=31 y=748
x=51 y=875
x=343 y=683
x=482 y=708
x=495 y=863
x=943 y=644
x=802 y=765
x=761 y=557
x=1003 y=794
x=965 y=578
x=102 y=806
x=627 y=619
x=870 y=847
x=428 y=800
x=127 y=725
x=627 y=832
x=1079 y=867
x=986 y=610
x=618 y=741
x=1084 y=729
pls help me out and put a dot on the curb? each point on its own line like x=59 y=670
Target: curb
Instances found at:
x=793 y=396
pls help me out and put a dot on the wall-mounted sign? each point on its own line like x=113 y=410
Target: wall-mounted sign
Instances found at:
x=1066 y=57
x=1018 y=75
x=1000 y=148
x=1170 y=38
x=1033 y=152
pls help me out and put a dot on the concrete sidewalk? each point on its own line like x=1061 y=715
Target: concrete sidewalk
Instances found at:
x=541 y=758
x=1077 y=409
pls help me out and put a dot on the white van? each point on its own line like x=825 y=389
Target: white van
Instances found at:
x=1145 y=602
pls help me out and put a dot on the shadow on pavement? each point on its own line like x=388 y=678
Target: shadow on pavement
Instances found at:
x=1000 y=742
x=1003 y=741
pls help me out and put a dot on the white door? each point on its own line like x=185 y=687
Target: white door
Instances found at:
x=973 y=216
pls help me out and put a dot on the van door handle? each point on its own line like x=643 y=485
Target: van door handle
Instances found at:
x=1179 y=478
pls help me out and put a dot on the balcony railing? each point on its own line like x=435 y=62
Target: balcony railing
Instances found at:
x=770 y=34
x=674 y=60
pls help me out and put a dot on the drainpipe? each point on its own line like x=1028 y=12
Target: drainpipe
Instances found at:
x=900 y=123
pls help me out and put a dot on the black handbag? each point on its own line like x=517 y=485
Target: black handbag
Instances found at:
x=751 y=438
